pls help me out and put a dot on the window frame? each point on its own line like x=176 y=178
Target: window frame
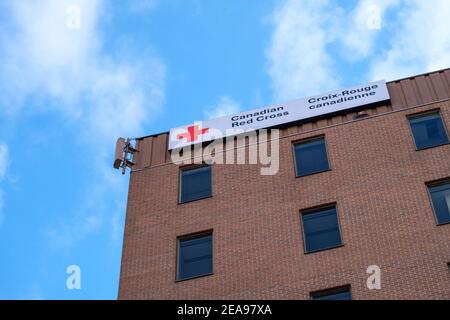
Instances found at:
x=409 y=117
x=304 y=141
x=180 y=181
x=432 y=184
x=312 y=211
x=326 y=292
x=190 y=237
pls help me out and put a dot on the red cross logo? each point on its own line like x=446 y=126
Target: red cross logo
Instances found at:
x=192 y=134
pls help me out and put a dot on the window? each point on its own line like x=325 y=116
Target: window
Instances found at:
x=311 y=157
x=440 y=197
x=195 y=183
x=428 y=130
x=321 y=229
x=342 y=293
x=194 y=256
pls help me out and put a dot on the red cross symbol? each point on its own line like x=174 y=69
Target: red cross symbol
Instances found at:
x=192 y=134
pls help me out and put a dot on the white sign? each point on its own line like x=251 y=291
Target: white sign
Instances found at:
x=275 y=115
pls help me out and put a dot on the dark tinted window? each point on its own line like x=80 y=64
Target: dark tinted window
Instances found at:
x=428 y=130
x=194 y=256
x=311 y=157
x=440 y=196
x=195 y=183
x=321 y=229
x=333 y=294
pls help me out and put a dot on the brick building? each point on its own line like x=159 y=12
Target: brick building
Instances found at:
x=376 y=193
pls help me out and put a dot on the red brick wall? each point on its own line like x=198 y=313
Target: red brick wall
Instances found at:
x=377 y=181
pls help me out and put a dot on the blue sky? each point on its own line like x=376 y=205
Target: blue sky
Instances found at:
x=138 y=67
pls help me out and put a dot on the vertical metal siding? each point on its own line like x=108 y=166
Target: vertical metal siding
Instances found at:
x=396 y=94
x=408 y=91
x=159 y=150
x=404 y=93
x=438 y=86
x=424 y=89
x=447 y=77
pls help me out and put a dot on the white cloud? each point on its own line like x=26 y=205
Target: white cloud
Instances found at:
x=66 y=234
x=67 y=69
x=421 y=42
x=299 y=62
x=103 y=206
x=117 y=223
x=225 y=106
x=42 y=56
x=4 y=160
x=2 y=203
x=362 y=25
x=313 y=41
x=105 y=93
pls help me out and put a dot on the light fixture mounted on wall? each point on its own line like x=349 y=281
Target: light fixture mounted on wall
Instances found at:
x=123 y=156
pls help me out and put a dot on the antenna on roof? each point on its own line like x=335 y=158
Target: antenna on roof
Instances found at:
x=124 y=154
